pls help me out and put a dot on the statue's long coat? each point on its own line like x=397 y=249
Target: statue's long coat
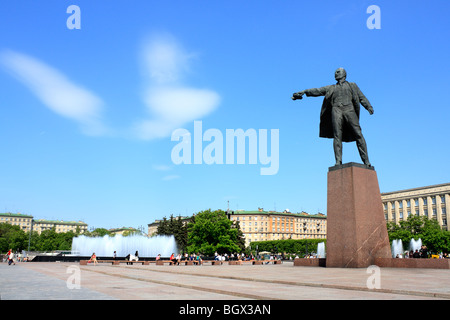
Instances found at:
x=326 y=126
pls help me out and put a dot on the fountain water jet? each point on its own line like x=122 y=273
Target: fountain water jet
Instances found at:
x=397 y=248
x=415 y=244
x=105 y=246
x=321 y=250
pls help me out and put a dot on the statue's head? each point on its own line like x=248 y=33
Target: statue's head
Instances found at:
x=340 y=73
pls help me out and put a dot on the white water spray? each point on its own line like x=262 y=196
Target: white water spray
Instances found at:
x=105 y=246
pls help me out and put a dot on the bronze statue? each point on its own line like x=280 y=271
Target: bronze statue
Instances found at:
x=339 y=117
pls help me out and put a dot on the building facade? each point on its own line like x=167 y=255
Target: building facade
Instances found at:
x=152 y=228
x=59 y=226
x=260 y=225
x=17 y=219
x=124 y=231
x=431 y=201
x=26 y=223
x=263 y=225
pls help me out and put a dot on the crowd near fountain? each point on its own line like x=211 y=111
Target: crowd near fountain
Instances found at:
x=397 y=247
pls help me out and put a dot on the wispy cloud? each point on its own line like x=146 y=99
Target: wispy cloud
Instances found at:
x=170 y=177
x=170 y=103
x=164 y=60
x=162 y=167
x=56 y=91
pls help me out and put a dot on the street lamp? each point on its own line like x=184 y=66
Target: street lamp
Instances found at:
x=29 y=236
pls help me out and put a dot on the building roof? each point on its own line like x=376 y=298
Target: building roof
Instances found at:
x=60 y=222
x=417 y=189
x=18 y=215
x=123 y=229
x=285 y=213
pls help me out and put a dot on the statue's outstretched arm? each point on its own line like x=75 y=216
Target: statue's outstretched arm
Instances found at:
x=314 y=92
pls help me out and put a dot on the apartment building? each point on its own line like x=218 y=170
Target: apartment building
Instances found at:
x=26 y=222
x=59 y=226
x=431 y=201
x=263 y=225
x=17 y=219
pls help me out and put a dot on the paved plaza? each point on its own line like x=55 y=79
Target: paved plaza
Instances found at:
x=70 y=281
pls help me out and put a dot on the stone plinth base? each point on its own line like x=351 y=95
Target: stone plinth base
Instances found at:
x=300 y=262
x=356 y=226
x=412 y=263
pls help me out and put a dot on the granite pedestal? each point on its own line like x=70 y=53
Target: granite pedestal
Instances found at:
x=356 y=226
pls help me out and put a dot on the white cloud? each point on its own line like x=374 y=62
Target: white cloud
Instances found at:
x=164 y=60
x=172 y=107
x=56 y=91
x=170 y=104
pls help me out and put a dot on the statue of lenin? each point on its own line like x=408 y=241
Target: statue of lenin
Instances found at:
x=339 y=117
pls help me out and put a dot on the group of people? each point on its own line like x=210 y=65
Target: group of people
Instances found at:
x=195 y=258
x=417 y=254
x=422 y=253
x=129 y=257
x=12 y=257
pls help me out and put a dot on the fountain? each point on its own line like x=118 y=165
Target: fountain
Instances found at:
x=105 y=246
x=397 y=248
x=321 y=250
x=415 y=244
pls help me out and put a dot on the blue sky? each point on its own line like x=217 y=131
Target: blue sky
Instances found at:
x=86 y=115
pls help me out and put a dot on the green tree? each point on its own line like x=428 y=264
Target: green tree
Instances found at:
x=98 y=232
x=175 y=227
x=211 y=231
x=12 y=237
x=288 y=246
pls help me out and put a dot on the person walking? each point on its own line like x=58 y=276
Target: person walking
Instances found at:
x=11 y=257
